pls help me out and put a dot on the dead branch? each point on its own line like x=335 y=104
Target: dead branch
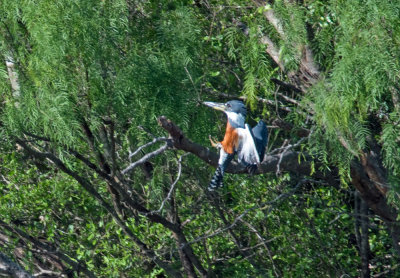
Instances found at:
x=172 y=185
x=145 y=158
x=155 y=140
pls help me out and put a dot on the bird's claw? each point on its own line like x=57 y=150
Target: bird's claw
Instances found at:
x=214 y=143
x=251 y=169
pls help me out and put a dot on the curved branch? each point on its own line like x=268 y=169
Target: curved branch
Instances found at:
x=289 y=161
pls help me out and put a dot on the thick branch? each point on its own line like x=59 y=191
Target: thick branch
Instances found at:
x=273 y=51
x=371 y=194
x=13 y=77
x=308 y=72
x=288 y=162
x=364 y=250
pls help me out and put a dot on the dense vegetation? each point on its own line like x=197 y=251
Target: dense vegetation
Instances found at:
x=104 y=151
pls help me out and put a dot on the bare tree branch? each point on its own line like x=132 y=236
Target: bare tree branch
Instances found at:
x=273 y=51
x=172 y=185
x=155 y=140
x=13 y=77
x=145 y=158
x=90 y=189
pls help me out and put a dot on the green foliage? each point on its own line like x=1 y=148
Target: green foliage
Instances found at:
x=113 y=67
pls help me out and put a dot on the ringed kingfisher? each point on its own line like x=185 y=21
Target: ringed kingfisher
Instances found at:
x=248 y=144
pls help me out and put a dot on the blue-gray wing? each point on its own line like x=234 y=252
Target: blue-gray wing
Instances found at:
x=260 y=135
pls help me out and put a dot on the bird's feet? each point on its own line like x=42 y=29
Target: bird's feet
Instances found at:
x=214 y=143
x=251 y=169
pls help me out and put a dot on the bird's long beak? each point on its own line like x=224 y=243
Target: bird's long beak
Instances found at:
x=215 y=105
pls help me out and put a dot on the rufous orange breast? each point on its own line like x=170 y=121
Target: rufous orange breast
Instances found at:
x=231 y=139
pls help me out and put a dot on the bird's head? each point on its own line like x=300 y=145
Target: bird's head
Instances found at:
x=234 y=109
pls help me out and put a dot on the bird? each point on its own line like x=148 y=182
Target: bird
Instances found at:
x=249 y=144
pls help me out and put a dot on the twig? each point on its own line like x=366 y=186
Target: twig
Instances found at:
x=289 y=99
x=47 y=272
x=278 y=171
x=155 y=140
x=4 y=179
x=290 y=146
x=145 y=158
x=264 y=243
x=239 y=218
x=172 y=186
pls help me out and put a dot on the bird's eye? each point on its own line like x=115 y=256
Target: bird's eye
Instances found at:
x=227 y=105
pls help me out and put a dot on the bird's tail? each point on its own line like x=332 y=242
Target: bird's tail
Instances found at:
x=217 y=179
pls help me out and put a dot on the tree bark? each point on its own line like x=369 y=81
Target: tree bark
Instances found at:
x=364 y=248
x=361 y=226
